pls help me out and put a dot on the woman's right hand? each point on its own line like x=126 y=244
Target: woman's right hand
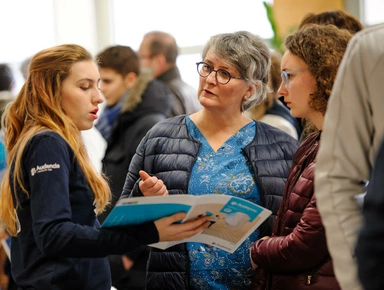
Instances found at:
x=151 y=185
x=169 y=230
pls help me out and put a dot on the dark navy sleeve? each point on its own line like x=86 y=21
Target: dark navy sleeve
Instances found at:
x=370 y=242
x=49 y=163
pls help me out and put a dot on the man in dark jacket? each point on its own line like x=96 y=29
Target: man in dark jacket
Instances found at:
x=158 y=52
x=135 y=102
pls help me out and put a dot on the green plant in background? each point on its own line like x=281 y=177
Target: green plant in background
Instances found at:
x=276 y=41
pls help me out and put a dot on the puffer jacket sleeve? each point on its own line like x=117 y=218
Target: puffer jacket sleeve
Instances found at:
x=271 y=157
x=131 y=186
x=302 y=249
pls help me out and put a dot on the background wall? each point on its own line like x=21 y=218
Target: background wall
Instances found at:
x=29 y=26
x=287 y=22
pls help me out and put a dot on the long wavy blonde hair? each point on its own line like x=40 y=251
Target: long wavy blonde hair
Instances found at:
x=37 y=108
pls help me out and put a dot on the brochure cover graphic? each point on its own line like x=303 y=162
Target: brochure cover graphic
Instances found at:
x=232 y=219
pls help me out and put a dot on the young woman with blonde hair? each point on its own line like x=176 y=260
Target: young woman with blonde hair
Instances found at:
x=51 y=192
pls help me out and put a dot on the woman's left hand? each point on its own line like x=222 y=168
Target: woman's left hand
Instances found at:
x=254 y=266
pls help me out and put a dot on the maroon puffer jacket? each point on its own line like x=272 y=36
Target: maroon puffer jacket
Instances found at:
x=296 y=257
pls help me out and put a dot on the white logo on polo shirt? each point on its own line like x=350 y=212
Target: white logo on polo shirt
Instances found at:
x=44 y=168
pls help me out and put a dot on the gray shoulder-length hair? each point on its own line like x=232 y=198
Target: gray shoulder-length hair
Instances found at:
x=250 y=55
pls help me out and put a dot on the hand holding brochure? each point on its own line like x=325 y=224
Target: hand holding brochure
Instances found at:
x=233 y=219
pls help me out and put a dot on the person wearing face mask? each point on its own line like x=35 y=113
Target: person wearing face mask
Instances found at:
x=296 y=256
x=217 y=150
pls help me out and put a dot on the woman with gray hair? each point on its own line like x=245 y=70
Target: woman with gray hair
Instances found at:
x=217 y=150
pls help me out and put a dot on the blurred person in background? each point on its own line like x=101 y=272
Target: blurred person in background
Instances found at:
x=7 y=83
x=159 y=51
x=134 y=103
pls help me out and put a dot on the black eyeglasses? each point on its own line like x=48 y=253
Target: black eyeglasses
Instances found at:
x=222 y=76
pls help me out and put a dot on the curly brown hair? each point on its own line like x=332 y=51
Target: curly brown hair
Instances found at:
x=322 y=48
x=339 y=18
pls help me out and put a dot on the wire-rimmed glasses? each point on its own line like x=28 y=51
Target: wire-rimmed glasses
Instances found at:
x=222 y=76
x=285 y=75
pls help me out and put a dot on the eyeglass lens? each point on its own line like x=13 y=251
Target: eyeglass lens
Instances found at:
x=284 y=77
x=222 y=76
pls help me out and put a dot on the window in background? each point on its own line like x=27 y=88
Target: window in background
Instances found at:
x=373 y=12
x=191 y=23
x=26 y=27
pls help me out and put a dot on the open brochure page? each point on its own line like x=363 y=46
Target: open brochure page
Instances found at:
x=137 y=210
x=232 y=219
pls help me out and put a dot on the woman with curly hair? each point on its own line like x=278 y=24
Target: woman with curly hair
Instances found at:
x=337 y=17
x=51 y=193
x=296 y=255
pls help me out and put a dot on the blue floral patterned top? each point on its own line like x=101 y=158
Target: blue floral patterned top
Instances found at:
x=223 y=172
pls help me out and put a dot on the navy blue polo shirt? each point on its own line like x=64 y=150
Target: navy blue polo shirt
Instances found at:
x=60 y=245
